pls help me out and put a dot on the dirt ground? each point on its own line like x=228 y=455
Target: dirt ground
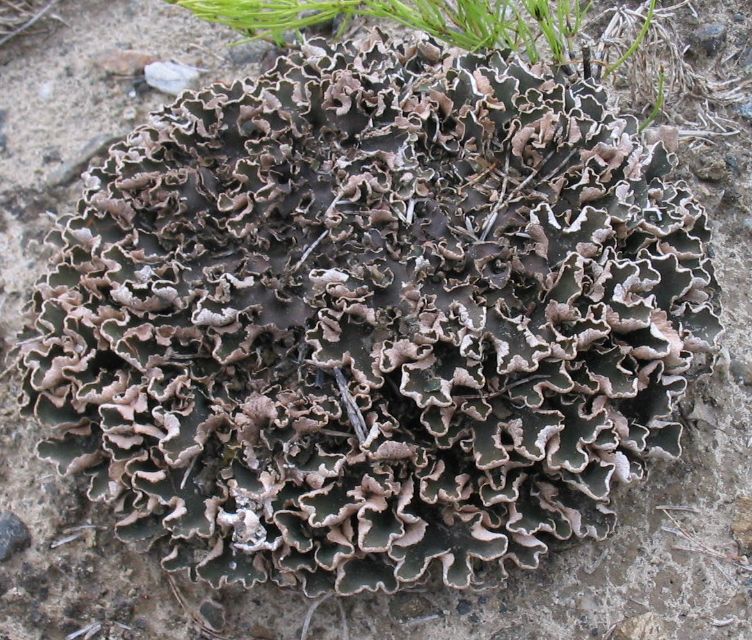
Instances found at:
x=56 y=100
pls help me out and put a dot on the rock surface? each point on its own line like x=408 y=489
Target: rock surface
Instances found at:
x=71 y=170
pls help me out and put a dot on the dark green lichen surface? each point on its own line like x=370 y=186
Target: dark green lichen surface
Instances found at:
x=381 y=306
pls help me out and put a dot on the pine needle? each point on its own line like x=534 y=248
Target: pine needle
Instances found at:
x=526 y=25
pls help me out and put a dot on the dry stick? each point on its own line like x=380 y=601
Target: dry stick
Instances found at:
x=89 y=631
x=699 y=546
x=37 y=16
x=596 y=563
x=65 y=540
x=188 y=472
x=334 y=433
x=345 y=627
x=309 y=614
x=191 y=611
x=677 y=507
x=477 y=178
x=309 y=251
x=353 y=410
x=504 y=389
x=725 y=622
x=492 y=218
x=410 y=211
x=312 y=610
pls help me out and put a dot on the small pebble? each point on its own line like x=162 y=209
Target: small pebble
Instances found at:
x=464 y=607
x=46 y=89
x=732 y=162
x=710 y=37
x=14 y=535
x=124 y=62
x=745 y=111
x=170 y=77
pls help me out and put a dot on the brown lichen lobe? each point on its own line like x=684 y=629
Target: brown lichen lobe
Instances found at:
x=380 y=307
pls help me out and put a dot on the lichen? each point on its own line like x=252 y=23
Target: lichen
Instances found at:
x=383 y=306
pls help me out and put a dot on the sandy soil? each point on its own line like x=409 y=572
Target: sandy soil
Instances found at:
x=57 y=100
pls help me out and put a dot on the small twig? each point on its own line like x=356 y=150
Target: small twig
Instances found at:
x=312 y=609
x=494 y=214
x=476 y=178
x=421 y=619
x=487 y=228
x=353 y=410
x=677 y=507
x=89 y=631
x=194 y=615
x=73 y=533
x=213 y=54
x=469 y=227
x=640 y=602
x=504 y=389
x=725 y=622
x=65 y=540
x=587 y=67
x=696 y=545
x=83 y=527
x=188 y=472
x=722 y=571
x=334 y=433
x=343 y=614
x=36 y=17
x=309 y=250
x=410 y=211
